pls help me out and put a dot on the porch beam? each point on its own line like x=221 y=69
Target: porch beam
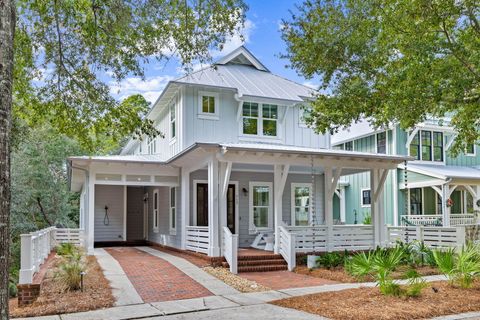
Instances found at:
x=225 y=169
x=451 y=190
x=280 y=174
x=225 y=172
x=338 y=172
x=450 y=143
x=437 y=190
x=411 y=136
x=381 y=183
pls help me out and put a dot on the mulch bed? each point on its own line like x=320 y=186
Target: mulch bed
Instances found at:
x=339 y=274
x=97 y=294
x=369 y=303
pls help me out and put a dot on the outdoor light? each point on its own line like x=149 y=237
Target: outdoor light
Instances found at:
x=245 y=191
x=81 y=279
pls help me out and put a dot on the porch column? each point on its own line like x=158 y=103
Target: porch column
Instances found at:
x=185 y=205
x=213 y=223
x=91 y=213
x=377 y=182
x=477 y=198
x=341 y=196
x=280 y=174
x=329 y=206
x=445 y=208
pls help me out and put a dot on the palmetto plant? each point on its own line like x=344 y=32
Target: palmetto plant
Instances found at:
x=70 y=270
x=360 y=265
x=461 y=267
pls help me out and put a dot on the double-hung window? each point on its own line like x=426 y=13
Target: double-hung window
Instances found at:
x=349 y=146
x=208 y=105
x=301 y=193
x=416 y=201
x=156 y=210
x=173 y=206
x=470 y=150
x=173 y=122
x=260 y=205
x=366 y=197
x=427 y=146
x=382 y=142
x=260 y=119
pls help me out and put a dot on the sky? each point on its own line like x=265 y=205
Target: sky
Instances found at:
x=261 y=36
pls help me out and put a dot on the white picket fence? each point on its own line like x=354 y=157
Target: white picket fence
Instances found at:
x=230 y=249
x=435 y=237
x=197 y=239
x=435 y=219
x=37 y=245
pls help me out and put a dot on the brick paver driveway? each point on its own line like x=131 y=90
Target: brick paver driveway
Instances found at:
x=156 y=279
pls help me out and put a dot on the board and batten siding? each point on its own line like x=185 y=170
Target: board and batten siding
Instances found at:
x=244 y=178
x=227 y=128
x=113 y=198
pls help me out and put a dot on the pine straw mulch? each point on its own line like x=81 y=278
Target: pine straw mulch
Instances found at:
x=339 y=274
x=369 y=304
x=239 y=283
x=97 y=294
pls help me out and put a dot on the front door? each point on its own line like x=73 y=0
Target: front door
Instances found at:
x=202 y=206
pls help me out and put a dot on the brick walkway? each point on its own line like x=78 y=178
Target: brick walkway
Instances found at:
x=278 y=280
x=154 y=278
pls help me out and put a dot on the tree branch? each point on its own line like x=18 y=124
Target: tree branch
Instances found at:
x=44 y=214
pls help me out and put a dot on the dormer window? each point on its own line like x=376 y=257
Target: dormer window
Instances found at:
x=427 y=146
x=208 y=105
x=260 y=119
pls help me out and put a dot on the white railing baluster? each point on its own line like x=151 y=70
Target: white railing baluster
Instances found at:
x=230 y=249
x=198 y=239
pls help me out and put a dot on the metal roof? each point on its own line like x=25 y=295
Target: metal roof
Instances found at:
x=445 y=172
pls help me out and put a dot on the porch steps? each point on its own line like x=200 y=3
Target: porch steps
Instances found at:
x=260 y=263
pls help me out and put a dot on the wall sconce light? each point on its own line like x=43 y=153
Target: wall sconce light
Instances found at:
x=245 y=191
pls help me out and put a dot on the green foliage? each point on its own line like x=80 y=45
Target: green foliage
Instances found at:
x=367 y=218
x=67 y=53
x=461 y=267
x=331 y=260
x=69 y=271
x=66 y=249
x=416 y=253
x=360 y=265
x=415 y=283
x=390 y=61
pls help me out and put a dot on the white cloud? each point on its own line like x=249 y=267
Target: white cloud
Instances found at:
x=150 y=88
x=235 y=41
x=311 y=84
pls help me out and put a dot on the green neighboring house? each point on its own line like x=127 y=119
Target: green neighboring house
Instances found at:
x=434 y=189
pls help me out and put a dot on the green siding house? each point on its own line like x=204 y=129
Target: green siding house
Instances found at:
x=434 y=188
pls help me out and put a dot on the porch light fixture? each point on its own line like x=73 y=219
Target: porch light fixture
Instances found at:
x=245 y=191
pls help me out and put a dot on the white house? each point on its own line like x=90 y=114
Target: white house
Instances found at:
x=237 y=161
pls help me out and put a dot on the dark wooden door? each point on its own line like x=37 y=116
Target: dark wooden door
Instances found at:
x=202 y=206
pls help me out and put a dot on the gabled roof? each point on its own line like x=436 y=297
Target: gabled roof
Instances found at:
x=244 y=57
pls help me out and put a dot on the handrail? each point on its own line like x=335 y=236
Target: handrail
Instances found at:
x=287 y=247
x=230 y=249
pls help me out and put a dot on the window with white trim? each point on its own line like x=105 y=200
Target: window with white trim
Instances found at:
x=260 y=119
x=348 y=146
x=156 y=211
x=173 y=211
x=366 y=197
x=382 y=142
x=427 y=146
x=304 y=114
x=208 y=105
x=301 y=193
x=260 y=205
x=151 y=145
x=173 y=122
x=470 y=150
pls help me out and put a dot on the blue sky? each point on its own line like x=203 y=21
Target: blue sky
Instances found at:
x=262 y=37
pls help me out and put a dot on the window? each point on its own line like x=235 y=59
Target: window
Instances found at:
x=304 y=114
x=173 y=205
x=427 y=146
x=250 y=118
x=366 y=198
x=470 y=150
x=416 y=201
x=382 y=142
x=173 y=120
x=151 y=145
x=301 y=193
x=349 y=146
x=155 y=210
x=261 y=120
x=260 y=205
x=437 y=146
x=208 y=105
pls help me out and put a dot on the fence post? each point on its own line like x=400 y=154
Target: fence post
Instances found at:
x=234 y=266
x=26 y=259
x=293 y=252
x=460 y=235
x=419 y=232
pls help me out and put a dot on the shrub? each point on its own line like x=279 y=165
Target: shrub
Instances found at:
x=462 y=267
x=331 y=260
x=360 y=265
x=66 y=249
x=69 y=272
x=415 y=283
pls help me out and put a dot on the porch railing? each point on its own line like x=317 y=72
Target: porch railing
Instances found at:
x=436 y=237
x=287 y=247
x=436 y=219
x=352 y=237
x=230 y=249
x=197 y=239
x=37 y=245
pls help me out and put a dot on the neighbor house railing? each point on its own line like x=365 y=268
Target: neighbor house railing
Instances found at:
x=197 y=239
x=230 y=249
x=287 y=247
x=37 y=245
x=437 y=219
x=435 y=237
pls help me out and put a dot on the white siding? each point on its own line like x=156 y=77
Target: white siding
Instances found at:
x=111 y=196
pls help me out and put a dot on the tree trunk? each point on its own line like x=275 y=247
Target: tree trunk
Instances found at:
x=7 y=29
